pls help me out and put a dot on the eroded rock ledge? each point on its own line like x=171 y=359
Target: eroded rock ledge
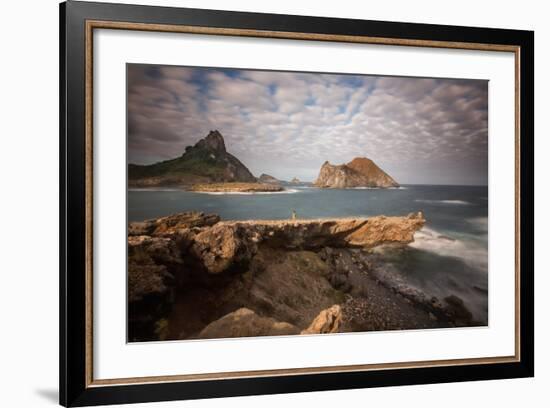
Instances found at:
x=274 y=270
x=218 y=245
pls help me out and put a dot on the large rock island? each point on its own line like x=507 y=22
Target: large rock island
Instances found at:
x=192 y=275
x=360 y=172
x=206 y=162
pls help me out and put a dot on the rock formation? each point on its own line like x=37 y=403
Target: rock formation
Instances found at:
x=245 y=323
x=295 y=180
x=266 y=178
x=205 y=162
x=360 y=172
x=217 y=267
x=150 y=284
x=328 y=321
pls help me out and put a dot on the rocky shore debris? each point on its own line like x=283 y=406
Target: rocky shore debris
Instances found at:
x=191 y=275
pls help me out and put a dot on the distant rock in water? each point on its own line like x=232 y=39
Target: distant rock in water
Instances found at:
x=266 y=178
x=360 y=172
x=295 y=180
x=206 y=162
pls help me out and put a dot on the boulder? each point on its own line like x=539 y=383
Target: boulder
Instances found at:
x=222 y=247
x=245 y=323
x=457 y=311
x=328 y=321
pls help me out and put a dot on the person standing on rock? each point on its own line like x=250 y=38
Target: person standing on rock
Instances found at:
x=293 y=217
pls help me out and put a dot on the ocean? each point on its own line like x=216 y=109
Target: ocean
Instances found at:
x=448 y=257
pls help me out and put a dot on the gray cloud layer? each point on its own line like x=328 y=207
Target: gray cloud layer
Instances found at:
x=431 y=131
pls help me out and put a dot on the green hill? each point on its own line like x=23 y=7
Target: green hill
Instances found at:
x=206 y=162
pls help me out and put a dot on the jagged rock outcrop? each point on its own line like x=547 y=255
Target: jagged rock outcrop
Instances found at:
x=280 y=271
x=295 y=180
x=206 y=162
x=151 y=285
x=266 y=178
x=232 y=242
x=245 y=323
x=360 y=172
x=221 y=245
x=172 y=223
x=328 y=321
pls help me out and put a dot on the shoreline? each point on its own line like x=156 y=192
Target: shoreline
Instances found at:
x=208 y=278
x=236 y=187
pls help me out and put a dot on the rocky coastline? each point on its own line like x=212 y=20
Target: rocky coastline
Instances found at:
x=192 y=276
x=236 y=187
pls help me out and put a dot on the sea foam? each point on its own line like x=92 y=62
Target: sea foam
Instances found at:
x=289 y=191
x=455 y=202
x=470 y=252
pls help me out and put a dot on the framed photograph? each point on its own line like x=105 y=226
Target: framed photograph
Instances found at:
x=256 y=203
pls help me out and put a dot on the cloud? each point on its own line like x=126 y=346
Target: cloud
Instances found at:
x=286 y=124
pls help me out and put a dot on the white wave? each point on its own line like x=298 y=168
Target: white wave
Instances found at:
x=481 y=223
x=377 y=188
x=289 y=191
x=456 y=202
x=471 y=252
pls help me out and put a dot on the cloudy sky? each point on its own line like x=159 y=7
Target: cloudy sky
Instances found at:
x=286 y=124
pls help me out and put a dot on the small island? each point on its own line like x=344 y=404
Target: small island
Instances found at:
x=360 y=172
x=236 y=187
x=266 y=178
x=205 y=167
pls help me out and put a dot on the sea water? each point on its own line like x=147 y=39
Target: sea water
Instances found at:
x=448 y=257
